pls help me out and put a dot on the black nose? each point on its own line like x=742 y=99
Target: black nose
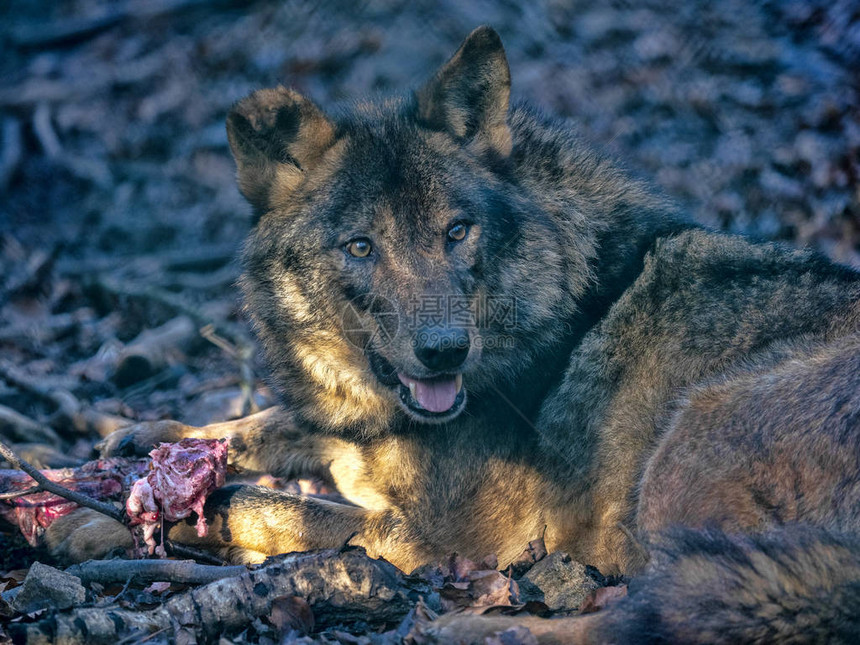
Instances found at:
x=442 y=349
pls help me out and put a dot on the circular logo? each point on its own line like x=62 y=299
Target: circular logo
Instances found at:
x=370 y=320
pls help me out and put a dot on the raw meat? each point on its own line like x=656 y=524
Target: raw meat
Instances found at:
x=182 y=475
x=105 y=479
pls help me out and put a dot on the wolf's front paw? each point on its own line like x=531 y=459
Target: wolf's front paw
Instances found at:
x=138 y=439
x=86 y=534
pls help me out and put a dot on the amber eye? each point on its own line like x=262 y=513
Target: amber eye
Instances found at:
x=359 y=248
x=458 y=232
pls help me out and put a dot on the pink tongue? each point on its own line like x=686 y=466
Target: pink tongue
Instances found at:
x=437 y=395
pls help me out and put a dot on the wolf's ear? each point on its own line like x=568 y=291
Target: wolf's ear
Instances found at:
x=469 y=95
x=276 y=135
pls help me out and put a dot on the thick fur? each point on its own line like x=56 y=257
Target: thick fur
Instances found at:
x=656 y=374
x=792 y=586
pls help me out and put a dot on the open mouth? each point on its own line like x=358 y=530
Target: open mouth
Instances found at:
x=434 y=398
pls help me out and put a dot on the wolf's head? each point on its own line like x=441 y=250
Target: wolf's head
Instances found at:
x=398 y=262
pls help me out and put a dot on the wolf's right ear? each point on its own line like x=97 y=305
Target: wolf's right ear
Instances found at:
x=276 y=135
x=469 y=96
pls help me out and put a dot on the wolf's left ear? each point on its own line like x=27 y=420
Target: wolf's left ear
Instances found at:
x=469 y=96
x=276 y=136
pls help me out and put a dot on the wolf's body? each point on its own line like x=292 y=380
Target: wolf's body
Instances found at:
x=655 y=375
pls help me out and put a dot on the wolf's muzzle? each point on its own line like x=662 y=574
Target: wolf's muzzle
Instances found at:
x=442 y=349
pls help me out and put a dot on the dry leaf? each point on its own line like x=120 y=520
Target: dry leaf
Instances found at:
x=157 y=587
x=291 y=613
x=492 y=588
x=535 y=552
x=14 y=577
x=460 y=567
x=602 y=597
x=415 y=622
x=481 y=591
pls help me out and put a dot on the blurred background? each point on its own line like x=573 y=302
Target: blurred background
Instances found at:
x=120 y=217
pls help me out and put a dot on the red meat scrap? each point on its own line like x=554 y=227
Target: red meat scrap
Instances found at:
x=170 y=486
x=105 y=479
x=182 y=475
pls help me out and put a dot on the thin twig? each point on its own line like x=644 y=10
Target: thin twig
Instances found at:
x=45 y=131
x=173 y=301
x=48 y=328
x=124 y=589
x=131 y=639
x=185 y=551
x=107 y=602
x=202 y=258
x=243 y=354
x=52 y=487
x=12 y=151
x=21 y=493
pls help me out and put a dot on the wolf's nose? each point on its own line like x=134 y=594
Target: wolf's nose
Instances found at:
x=442 y=349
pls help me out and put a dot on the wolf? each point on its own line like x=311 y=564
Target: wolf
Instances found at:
x=482 y=331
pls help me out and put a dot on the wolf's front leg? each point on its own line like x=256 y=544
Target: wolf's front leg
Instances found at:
x=248 y=523
x=269 y=442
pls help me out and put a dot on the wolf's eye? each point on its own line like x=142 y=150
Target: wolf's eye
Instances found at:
x=359 y=248
x=458 y=232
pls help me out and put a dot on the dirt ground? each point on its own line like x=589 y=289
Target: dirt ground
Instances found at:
x=119 y=211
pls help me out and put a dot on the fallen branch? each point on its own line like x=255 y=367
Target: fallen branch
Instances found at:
x=148 y=354
x=196 y=281
x=68 y=31
x=340 y=586
x=182 y=571
x=230 y=337
x=33 y=269
x=12 y=150
x=90 y=169
x=48 y=328
x=40 y=90
x=176 y=303
x=199 y=259
x=71 y=30
x=69 y=408
x=20 y=428
x=471 y=628
x=61 y=491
